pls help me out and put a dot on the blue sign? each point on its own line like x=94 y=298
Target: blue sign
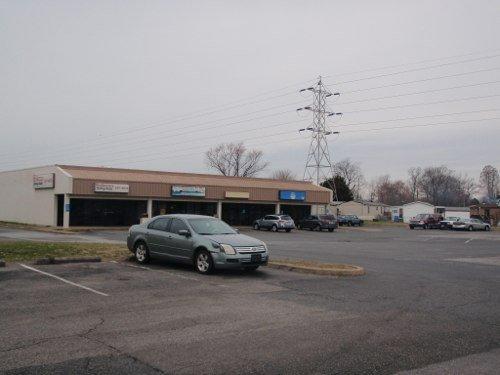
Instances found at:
x=67 y=207
x=188 y=191
x=291 y=195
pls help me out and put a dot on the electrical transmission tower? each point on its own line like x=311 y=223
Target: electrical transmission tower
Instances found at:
x=319 y=165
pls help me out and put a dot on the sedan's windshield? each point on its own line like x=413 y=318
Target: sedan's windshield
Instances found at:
x=210 y=226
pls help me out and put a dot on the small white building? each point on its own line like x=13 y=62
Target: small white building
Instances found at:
x=365 y=210
x=414 y=208
x=461 y=212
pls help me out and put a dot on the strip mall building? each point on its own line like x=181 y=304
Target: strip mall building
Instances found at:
x=65 y=195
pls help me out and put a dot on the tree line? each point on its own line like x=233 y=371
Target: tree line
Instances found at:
x=439 y=185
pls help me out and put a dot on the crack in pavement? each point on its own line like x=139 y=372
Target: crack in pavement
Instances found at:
x=41 y=341
x=86 y=336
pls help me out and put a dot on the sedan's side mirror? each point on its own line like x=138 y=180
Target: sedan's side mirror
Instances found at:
x=184 y=232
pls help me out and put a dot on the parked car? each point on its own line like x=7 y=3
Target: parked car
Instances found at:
x=426 y=221
x=448 y=222
x=274 y=223
x=203 y=241
x=470 y=225
x=350 y=220
x=319 y=222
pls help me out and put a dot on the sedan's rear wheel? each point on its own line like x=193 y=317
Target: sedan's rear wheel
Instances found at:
x=330 y=229
x=470 y=228
x=203 y=262
x=141 y=252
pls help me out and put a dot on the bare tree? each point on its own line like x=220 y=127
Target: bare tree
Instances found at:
x=414 y=175
x=468 y=189
x=351 y=173
x=391 y=192
x=372 y=190
x=283 y=175
x=234 y=159
x=489 y=179
x=441 y=186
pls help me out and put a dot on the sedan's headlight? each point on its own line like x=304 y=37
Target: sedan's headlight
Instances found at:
x=228 y=249
x=265 y=246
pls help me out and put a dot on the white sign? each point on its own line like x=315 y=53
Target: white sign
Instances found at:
x=238 y=194
x=43 y=181
x=101 y=187
x=188 y=191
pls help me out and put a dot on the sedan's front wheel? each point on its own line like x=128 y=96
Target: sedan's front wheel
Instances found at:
x=141 y=252
x=203 y=262
x=256 y=226
x=251 y=268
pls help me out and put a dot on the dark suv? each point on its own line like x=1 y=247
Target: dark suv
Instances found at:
x=350 y=220
x=425 y=221
x=319 y=222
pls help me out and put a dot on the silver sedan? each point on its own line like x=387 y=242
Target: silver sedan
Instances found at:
x=470 y=225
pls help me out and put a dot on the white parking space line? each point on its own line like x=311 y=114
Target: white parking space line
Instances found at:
x=162 y=271
x=469 y=240
x=64 y=280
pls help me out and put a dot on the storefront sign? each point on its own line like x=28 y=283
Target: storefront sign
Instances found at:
x=44 y=181
x=188 y=191
x=238 y=194
x=291 y=195
x=101 y=187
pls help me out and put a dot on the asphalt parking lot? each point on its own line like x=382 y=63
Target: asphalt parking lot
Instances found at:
x=429 y=303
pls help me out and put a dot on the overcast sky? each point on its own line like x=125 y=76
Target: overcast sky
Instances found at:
x=153 y=84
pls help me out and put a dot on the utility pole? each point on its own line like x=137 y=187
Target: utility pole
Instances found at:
x=319 y=165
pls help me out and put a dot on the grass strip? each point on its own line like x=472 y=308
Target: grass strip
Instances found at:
x=16 y=251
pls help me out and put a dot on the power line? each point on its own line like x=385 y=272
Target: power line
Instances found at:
x=176 y=134
x=419 y=92
x=281 y=140
x=420 y=80
x=414 y=118
x=207 y=111
x=216 y=136
x=266 y=116
x=182 y=118
x=168 y=136
x=412 y=63
x=419 y=126
x=179 y=143
x=427 y=103
x=415 y=69
x=227 y=105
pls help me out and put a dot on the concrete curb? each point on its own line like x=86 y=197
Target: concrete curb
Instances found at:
x=2 y=263
x=351 y=271
x=52 y=260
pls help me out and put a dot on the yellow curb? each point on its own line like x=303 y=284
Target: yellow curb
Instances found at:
x=343 y=270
